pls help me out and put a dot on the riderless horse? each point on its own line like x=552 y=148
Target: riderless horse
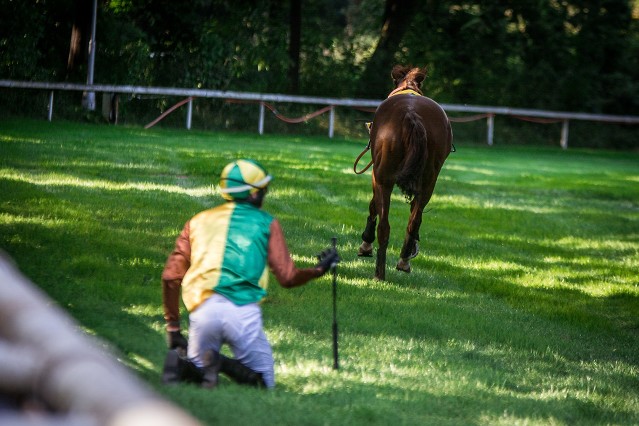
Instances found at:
x=410 y=138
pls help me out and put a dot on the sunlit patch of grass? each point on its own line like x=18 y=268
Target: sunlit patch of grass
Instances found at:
x=11 y=139
x=137 y=362
x=469 y=201
x=58 y=180
x=49 y=222
x=288 y=192
x=143 y=310
x=469 y=170
x=493 y=266
x=576 y=243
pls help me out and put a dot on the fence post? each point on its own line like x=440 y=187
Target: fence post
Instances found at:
x=89 y=96
x=189 y=114
x=50 y=113
x=490 y=121
x=564 y=135
x=331 y=122
x=260 y=126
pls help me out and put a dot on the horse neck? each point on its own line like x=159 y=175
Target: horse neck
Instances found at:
x=407 y=85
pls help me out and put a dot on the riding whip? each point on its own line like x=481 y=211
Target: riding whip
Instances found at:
x=334 y=268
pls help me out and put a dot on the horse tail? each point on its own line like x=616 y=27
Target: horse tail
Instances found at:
x=414 y=139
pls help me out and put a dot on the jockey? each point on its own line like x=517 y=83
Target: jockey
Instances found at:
x=220 y=263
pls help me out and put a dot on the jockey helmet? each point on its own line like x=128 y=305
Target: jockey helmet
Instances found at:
x=242 y=178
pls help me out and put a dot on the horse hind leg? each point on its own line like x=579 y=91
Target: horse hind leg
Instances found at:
x=410 y=249
x=383 y=231
x=368 y=236
x=378 y=206
x=365 y=250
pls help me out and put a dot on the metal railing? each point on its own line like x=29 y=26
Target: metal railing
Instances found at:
x=488 y=112
x=51 y=373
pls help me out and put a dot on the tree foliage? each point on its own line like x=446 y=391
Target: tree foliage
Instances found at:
x=577 y=55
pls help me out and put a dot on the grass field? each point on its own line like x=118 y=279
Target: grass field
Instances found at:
x=522 y=308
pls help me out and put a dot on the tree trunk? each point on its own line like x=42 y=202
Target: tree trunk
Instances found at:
x=295 y=45
x=79 y=35
x=375 y=81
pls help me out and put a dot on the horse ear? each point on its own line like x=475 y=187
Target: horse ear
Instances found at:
x=416 y=75
x=398 y=72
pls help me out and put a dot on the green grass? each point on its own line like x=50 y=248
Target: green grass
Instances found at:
x=522 y=308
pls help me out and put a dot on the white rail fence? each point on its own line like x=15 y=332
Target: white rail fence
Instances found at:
x=488 y=112
x=52 y=373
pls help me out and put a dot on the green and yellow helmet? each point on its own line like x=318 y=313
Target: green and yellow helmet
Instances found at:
x=242 y=178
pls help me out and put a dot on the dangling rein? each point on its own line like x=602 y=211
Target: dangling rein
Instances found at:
x=404 y=90
x=360 y=156
x=368 y=126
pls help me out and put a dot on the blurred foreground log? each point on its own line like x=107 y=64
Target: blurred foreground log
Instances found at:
x=53 y=374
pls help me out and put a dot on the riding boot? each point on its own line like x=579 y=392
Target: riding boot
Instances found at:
x=172 y=371
x=211 y=369
x=240 y=373
x=178 y=368
x=191 y=372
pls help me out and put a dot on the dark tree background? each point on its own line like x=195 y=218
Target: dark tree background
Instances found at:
x=574 y=55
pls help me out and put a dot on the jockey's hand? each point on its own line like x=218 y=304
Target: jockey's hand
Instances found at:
x=175 y=340
x=327 y=259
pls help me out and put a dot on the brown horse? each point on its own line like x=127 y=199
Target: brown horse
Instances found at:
x=410 y=139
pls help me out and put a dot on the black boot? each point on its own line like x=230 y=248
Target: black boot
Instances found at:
x=178 y=368
x=212 y=363
x=171 y=373
x=191 y=373
x=240 y=373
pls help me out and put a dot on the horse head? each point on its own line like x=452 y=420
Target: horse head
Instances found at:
x=408 y=78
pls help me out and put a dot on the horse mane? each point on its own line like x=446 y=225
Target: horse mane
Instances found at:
x=408 y=77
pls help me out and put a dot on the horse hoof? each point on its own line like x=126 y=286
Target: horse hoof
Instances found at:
x=365 y=250
x=403 y=266
x=407 y=270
